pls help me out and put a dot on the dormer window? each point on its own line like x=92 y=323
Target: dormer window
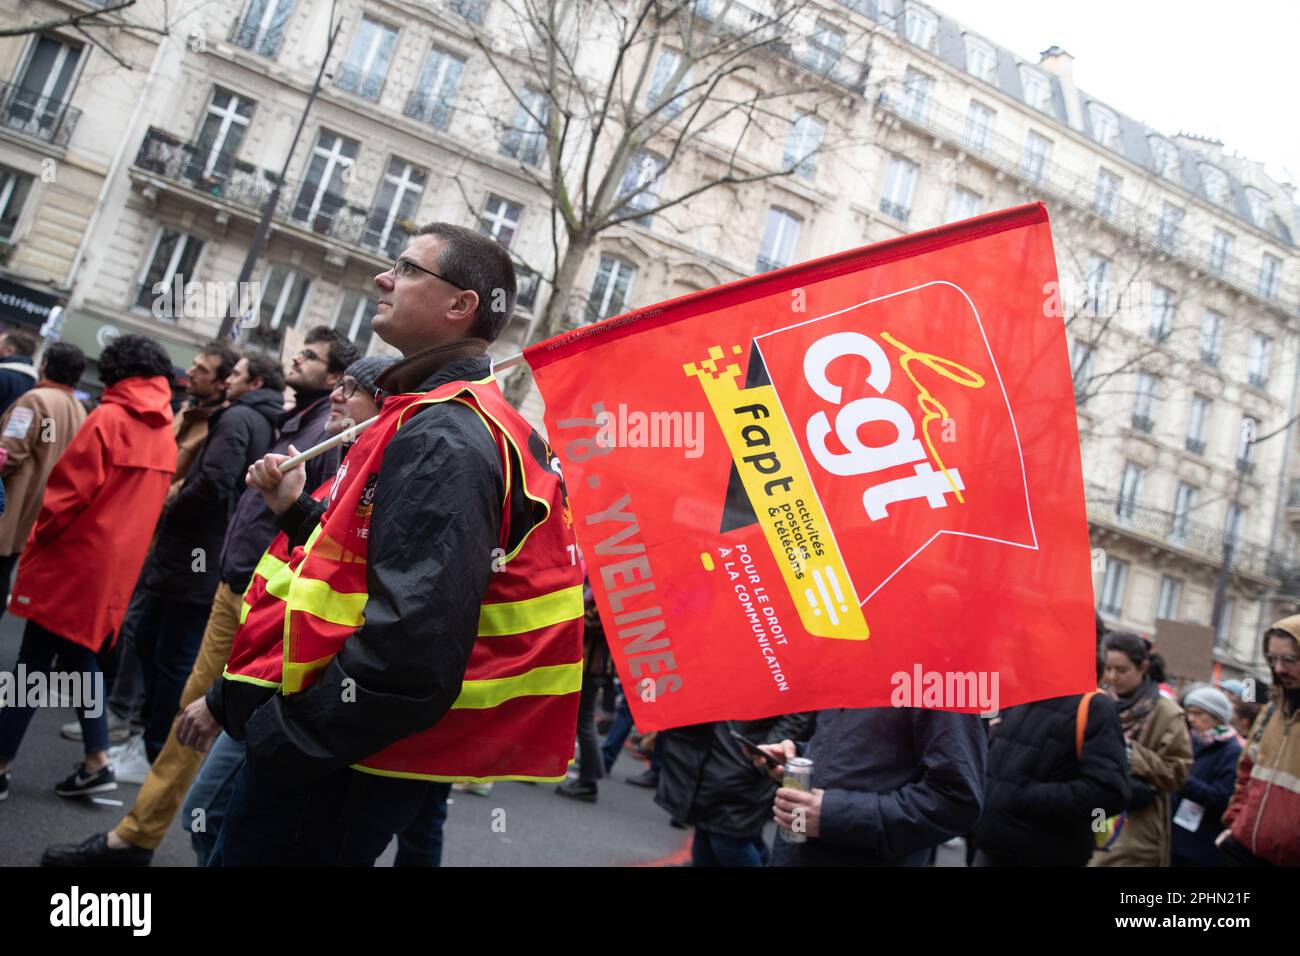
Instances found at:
x=1163 y=156
x=1105 y=125
x=1038 y=89
x=1216 y=184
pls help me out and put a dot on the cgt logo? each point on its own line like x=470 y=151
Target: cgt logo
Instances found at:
x=903 y=423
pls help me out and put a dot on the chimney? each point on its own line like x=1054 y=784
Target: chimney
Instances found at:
x=1060 y=64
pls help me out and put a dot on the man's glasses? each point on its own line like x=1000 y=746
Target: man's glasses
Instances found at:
x=348 y=387
x=403 y=267
x=1286 y=660
x=307 y=355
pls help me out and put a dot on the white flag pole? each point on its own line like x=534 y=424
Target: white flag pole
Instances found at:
x=350 y=433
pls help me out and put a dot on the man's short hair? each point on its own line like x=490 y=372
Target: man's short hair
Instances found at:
x=64 y=363
x=225 y=353
x=342 y=352
x=131 y=355
x=267 y=369
x=24 y=342
x=472 y=260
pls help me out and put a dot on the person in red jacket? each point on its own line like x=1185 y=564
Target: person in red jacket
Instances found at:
x=80 y=565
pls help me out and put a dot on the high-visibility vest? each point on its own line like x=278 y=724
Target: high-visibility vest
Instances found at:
x=516 y=714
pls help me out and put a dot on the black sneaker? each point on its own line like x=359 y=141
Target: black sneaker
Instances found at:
x=80 y=784
x=4 y=787
x=577 y=790
x=95 y=851
x=648 y=779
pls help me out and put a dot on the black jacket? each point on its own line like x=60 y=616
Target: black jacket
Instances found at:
x=1040 y=798
x=184 y=564
x=436 y=520
x=706 y=780
x=253 y=525
x=17 y=375
x=899 y=781
x=1209 y=785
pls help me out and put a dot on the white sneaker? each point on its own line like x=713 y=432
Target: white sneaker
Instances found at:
x=478 y=789
x=130 y=761
x=119 y=730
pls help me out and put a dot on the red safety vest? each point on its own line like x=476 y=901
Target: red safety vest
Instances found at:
x=516 y=714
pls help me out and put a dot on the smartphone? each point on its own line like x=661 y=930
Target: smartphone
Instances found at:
x=749 y=745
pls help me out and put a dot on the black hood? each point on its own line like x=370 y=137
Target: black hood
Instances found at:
x=265 y=401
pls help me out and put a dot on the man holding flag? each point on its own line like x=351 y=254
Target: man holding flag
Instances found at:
x=430 y=629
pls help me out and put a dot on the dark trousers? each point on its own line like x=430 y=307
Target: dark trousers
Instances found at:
x=346 y=819
x=590 y=759
x=7 y=564
x=38 y=652
x=126 y=698
x=420 y=844
x=715 y=849
x=617 y=734
x=1234 y=854
x=167 y=639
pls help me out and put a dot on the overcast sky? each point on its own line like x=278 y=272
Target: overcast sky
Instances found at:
x=1225 y=70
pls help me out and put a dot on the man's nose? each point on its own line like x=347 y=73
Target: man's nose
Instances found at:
x=385 y=281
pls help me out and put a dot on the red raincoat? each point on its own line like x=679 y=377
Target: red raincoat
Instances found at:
x=101 y=506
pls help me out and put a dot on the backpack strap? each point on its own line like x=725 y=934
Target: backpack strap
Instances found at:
x=1081 y=722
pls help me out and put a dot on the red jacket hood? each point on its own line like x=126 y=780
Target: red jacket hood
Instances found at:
x=148 y=399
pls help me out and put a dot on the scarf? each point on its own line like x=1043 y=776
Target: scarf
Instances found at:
x=1215 y=735
x=1135 y=708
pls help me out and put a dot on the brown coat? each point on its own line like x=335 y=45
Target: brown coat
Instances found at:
x=190 y=430
x=35 y=430
x=1162 y=758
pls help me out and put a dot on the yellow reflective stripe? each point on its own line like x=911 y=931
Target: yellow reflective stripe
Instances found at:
x=269 y=566
x=540 y=681
x=248 y=680
x=295 y=673
x=244 y=608
x=519 y=617
x=315 y=597
x=455 y=778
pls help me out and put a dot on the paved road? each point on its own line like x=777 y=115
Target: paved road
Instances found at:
x=516 y=825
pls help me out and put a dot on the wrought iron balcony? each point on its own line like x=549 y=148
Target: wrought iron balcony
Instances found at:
x=475 y=11
x=1142 y=423
x=262 y=42
x=893 y=209
x=1196 y=445
x=1210 y=358
x=366 y=85
x=248 y=188
x=1257 y=379
x=430 y=109
x=1165 y=528
x=1245 y=466
x=40 y=117
x=1053 y=182
x=767 y=265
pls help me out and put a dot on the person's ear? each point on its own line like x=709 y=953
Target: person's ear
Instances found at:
x=462 y=312
x=254 y=384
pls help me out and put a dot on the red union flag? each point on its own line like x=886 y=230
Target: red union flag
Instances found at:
x=850 y=483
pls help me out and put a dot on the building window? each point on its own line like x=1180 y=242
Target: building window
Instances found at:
x=962 y=204
x=884 y=11
x=1257 y=363
x=525 y=139
x=1038 y=89
x=388 y=227
x=1171 y=218
x=802 y=143
x=1038 y=152
x=981 y=59
x=825 y=47
x=916 y=93
x=432 y=98
x=920 y=26
x=1105 y=125
x=609 y=291
x=1184 y=505
x=261 y=29
x=979 y=125
x=900 y=184
x=500 y=219
x=1270 y=268
x=1225 y=623
x=639 y=188
x=35 y=104
x=1216 y=184
x=669 y=62
x=1164 y=158
x=171 y=264
x=1257 y=199
x=1096 y=293
x=366 y=65
x=328 y=171
x=355 y=313
x=1211 y=325
x=780 y=234
x=1112 y=588
x=475 y=11
x=1130 y=490
x=220 y=135
x=1081 y=370
x=1171 y=598
x=14 y=187
x=1196 y=421
x=1220 y=249
x=1160 y=317
x=1144 y=405
x=281 y=301
x=1107 y=193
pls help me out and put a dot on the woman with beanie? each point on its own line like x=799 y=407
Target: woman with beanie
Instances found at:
x=1205 y=796
x=1160 y=755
